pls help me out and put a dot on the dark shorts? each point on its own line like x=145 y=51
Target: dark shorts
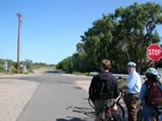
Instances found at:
x=99 y=105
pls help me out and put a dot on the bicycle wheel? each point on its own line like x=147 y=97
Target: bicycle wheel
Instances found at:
x=91 y=103
x=121 y=112
x=159 y=117
x=105 y=117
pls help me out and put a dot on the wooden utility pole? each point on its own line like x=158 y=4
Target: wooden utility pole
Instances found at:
x=18 y=40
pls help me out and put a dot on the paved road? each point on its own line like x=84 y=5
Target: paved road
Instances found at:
x=57 y=99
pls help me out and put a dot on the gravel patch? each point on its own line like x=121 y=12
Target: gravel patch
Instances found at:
x=83 y=84
x=14 y=95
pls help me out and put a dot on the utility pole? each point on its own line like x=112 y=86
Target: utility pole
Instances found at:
x=18 y=40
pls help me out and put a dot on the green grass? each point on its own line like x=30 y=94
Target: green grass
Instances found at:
x=122 y=82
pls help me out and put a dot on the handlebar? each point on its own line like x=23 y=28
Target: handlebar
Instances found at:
x=120 y=96
x=116 y=101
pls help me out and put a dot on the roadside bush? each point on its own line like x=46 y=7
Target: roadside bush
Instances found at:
x=1 y=68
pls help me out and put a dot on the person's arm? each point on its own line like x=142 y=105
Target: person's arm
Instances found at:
x=142 y=93
x=161 y=86
x=131 y=80
x=124 y=87
x=92 y=88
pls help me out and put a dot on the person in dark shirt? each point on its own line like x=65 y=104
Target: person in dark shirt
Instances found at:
x=103 y=89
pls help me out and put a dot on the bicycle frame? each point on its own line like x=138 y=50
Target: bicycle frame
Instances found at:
x=139 y=112
x=106 y=114
x=157 y=115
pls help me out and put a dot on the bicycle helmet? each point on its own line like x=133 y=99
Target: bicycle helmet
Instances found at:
x=152 y=74
x=132 y=64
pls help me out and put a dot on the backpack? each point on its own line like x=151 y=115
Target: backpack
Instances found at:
x=106 y=87
x=153 y=93
x=102 y=87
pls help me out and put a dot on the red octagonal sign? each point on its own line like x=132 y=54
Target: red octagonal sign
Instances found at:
x=154 y=52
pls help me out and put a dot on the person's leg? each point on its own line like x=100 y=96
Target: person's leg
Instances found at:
x=133 y=107
x=132 y=112
x=147 y=112
x=131 y=103
x=98 y=109
x=126 y=99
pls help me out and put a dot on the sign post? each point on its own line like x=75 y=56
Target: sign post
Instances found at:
x=5 y=65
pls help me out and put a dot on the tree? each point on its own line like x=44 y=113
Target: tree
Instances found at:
x=11 y=65
x=99 y=42
x=136 y=30
x=120 y=37
x=125 y=34
x=66 y=64
x=28 y=63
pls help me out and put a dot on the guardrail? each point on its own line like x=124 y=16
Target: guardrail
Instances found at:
x=143 y=77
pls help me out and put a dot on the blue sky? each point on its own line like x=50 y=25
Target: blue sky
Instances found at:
x=51 y=29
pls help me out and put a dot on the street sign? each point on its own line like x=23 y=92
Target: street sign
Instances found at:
x=154 y=52
x=5 y=65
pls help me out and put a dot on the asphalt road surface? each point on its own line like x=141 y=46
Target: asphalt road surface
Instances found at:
x=57 y=99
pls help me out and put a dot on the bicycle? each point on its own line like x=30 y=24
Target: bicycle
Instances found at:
x=157 y=114
x=108 y=114
x=139 y=112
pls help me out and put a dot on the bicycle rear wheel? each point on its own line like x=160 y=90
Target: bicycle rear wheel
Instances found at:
x=107 y=114
x=106 y=117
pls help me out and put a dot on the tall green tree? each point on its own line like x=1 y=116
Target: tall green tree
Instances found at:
x=99 y=41
x=137 y=30
x=124 y=36
x=121 y=37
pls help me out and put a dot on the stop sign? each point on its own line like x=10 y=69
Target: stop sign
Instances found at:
x=154 y=52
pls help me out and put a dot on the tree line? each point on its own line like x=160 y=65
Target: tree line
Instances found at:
x=26 y=65
x=121 y=37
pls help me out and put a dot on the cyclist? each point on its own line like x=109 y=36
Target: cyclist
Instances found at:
x=132 y=89
x=103 y=89
x=148 y=108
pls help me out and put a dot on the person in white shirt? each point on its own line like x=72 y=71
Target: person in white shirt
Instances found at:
x=132 y=90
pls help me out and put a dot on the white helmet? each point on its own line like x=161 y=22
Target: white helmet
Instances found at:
x=152 y=71
x=132 y=64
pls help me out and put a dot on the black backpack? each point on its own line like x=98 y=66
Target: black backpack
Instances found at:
x=102 y=87
x=105 y=87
